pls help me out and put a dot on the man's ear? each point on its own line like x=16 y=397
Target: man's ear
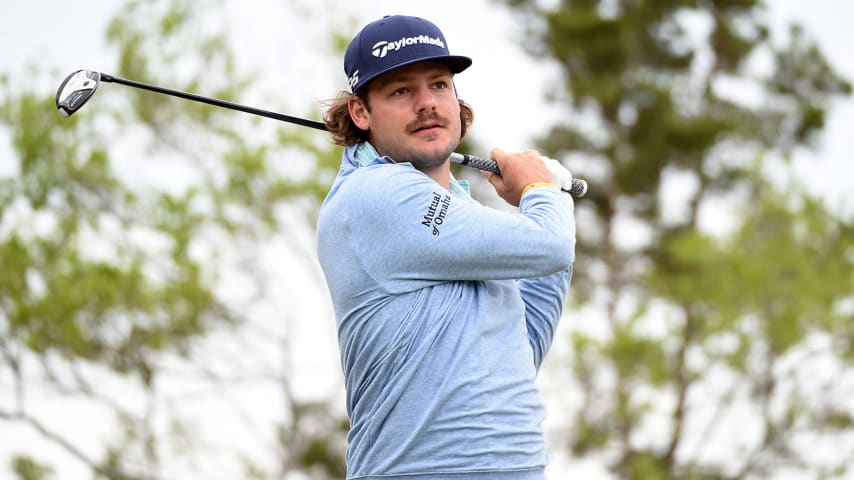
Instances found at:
x=359 y=112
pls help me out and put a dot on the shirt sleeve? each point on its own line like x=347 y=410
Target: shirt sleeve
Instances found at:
x=544 y=300
x=410 y=232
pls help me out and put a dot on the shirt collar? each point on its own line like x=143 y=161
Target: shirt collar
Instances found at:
x=366 y=154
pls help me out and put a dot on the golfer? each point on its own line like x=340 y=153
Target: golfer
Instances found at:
x=444 y=308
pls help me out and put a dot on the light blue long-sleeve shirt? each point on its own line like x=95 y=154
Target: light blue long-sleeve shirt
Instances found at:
x=445 y=309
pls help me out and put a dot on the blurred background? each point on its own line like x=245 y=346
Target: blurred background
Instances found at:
x=163 y=316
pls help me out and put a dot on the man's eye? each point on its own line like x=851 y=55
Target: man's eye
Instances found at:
x=399 y=91
x=440 y=85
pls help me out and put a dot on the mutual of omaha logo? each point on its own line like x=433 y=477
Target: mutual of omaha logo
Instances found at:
x=436 y=212
x=383 y=47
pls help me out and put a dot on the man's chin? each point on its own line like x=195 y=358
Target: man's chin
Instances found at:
x=438 y=147
x=429 y=158
x=428 y=161
x=421 y=153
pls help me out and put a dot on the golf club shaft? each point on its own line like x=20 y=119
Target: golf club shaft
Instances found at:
x=215 y=102
x=578 y=188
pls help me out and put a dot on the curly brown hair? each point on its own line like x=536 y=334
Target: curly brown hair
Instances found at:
x=345 y=132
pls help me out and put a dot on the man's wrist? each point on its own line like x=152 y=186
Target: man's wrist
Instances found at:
x=535 y=185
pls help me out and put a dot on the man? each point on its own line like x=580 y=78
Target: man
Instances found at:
x=445 y=308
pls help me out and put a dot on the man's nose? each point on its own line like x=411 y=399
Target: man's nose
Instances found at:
x=425 y=100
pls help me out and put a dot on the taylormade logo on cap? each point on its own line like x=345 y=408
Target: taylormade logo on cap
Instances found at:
x=381 y=48
x=353 y=79
x=394 y=42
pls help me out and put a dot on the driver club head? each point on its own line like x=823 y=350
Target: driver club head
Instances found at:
x=75 y=91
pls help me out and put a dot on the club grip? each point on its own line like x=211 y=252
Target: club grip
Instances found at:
x=577 y=190
x=480 y=163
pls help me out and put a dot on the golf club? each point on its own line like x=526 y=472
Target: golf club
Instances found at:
x=79 y=86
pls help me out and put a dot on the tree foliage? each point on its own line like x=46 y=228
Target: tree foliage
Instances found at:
x=135 y=239
x=720 y=304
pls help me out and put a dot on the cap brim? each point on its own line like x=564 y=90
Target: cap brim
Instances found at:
x=456 y=63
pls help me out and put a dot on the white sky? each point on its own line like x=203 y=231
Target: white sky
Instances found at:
x=503 y=85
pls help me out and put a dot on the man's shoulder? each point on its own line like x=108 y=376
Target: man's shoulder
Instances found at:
x=377 y=181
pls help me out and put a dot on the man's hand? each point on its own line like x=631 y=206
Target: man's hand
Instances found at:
x=518 y=170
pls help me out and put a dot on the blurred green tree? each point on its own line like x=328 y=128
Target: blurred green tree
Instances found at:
x=134 y=241
x=724 y=297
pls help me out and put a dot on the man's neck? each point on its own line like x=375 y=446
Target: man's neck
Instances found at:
x=441 y=174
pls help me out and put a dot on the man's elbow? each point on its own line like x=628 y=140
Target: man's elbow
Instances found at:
x=558 y=255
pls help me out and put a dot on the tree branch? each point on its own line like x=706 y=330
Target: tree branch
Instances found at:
x=112 y=473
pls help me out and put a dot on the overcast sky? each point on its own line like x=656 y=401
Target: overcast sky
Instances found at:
x=504 y=85
x=508 y=113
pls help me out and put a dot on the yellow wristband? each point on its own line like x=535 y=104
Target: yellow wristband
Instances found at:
x=534 y=185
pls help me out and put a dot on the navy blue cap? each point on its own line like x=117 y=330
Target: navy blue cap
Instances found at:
x=396 y=41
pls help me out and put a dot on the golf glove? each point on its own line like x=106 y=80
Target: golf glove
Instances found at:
x=562 y=176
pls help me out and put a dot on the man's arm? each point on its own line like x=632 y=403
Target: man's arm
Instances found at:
x=411 y=233
x=544 y=299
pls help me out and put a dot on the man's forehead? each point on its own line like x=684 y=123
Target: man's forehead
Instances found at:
x=410 y=72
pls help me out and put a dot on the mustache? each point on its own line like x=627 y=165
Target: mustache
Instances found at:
x=423 y=118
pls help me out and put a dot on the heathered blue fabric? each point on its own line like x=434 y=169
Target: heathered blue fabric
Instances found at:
x=445 y=309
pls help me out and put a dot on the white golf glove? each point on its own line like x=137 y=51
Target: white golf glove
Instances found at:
x=562 y=176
